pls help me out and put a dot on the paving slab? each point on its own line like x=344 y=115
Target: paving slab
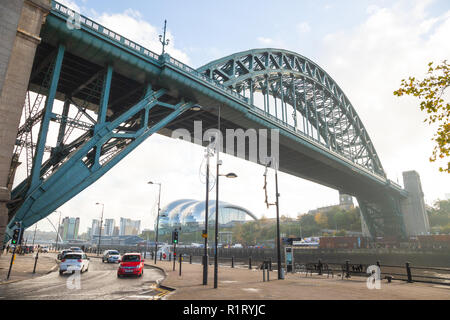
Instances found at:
x=22 y=268
x=244 y=284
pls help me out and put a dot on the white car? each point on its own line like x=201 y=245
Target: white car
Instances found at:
x=111 y=256
x=74 y=261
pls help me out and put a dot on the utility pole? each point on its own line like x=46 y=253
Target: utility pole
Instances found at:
x=157 y=218
x=57 y=231
x=34 y=236
x=278 y=224
x=277 y=204
x=205 y=232
x=100 y=227
x=162 y=38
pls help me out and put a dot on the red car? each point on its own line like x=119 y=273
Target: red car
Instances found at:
x=131 y=264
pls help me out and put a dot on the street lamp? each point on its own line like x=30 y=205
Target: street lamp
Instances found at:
x=157 y=218
x=205 y=232
x=277 y=203
x=57 y=231
x=100 y=227
x=228 y=175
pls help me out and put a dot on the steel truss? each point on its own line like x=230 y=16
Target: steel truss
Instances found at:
x=303 y=96
x=74 y=165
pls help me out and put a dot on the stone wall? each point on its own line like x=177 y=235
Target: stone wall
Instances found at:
x=14 y=77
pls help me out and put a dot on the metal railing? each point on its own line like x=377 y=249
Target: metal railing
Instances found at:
x=98 y=28
x=146 y=53
x=391 y=272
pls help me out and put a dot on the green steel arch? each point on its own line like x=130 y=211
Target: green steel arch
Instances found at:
x=310 y=100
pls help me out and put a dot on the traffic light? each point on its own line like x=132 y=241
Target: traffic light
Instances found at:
x=175 y=237
x=15 y=237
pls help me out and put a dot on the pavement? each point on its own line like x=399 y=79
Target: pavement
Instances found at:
x=244 y=284
x=22 y=269
x=240 y=283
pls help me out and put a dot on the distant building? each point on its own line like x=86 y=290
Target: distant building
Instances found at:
x=190 y=215
x=95 y=229
x=129 y=227
x=109 y=227
x=69 y=228
x=345 y=203
x=127 y=240
x=116 y=231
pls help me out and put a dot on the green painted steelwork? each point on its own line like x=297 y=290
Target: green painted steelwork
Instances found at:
x=332 y=141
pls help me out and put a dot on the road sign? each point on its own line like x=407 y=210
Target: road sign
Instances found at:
x=204 y=235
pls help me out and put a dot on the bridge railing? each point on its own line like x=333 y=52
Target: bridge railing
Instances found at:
x=203 y=77
x=98 y=28
x=133 y=46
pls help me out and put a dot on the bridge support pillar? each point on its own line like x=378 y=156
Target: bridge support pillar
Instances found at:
x=21 y=20
x=413 y=207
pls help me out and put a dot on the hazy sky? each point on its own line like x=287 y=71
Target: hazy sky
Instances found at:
x=367 y=47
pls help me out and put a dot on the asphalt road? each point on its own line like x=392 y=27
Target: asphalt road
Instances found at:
x=99 y=283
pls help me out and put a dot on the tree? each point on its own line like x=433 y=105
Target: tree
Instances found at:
x=431 y=91
x=321 y=219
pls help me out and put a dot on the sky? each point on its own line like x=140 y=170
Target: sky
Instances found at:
x=367 y=47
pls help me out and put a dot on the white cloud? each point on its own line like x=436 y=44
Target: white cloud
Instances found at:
x=132 y=25
x=71 y=5
x=265 y=41
x=369 y=63
x=303 y=27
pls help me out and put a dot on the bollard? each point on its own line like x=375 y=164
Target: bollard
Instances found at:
x=232 y=262
x=35 y=261
x=160 y=256
x=190 y=259
x=181 y=261
x=408 y=272
x=170 y=256
x=264 y=272
x=270 y=264
x=319 y=266
x=249 y=262
x=347 y=269
x=268 y=269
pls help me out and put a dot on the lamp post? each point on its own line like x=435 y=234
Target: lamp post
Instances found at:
x=228 y=175
x=157 y=218
x=100 y=227
x=278 y=224
x=162 y=38
x=277 y=204
x=57 y=231
x=205 y=232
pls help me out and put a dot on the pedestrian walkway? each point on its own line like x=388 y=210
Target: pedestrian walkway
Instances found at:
x=22 y=268
x=245 y=284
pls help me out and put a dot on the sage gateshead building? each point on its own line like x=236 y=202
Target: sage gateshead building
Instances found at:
x=190 y=215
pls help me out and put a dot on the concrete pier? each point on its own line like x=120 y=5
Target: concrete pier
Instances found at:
x=20 y=25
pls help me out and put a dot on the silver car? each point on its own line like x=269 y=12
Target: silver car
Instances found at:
x=111 y=256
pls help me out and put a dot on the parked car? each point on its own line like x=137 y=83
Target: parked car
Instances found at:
x=62 y=254
x=111 y=256
x=76 y=249
x=43 y=249
x=74 y=261
x=131 y=264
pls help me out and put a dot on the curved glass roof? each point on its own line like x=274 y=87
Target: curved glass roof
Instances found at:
x=188 y=211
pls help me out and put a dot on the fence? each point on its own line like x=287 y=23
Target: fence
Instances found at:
x=405 y=272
